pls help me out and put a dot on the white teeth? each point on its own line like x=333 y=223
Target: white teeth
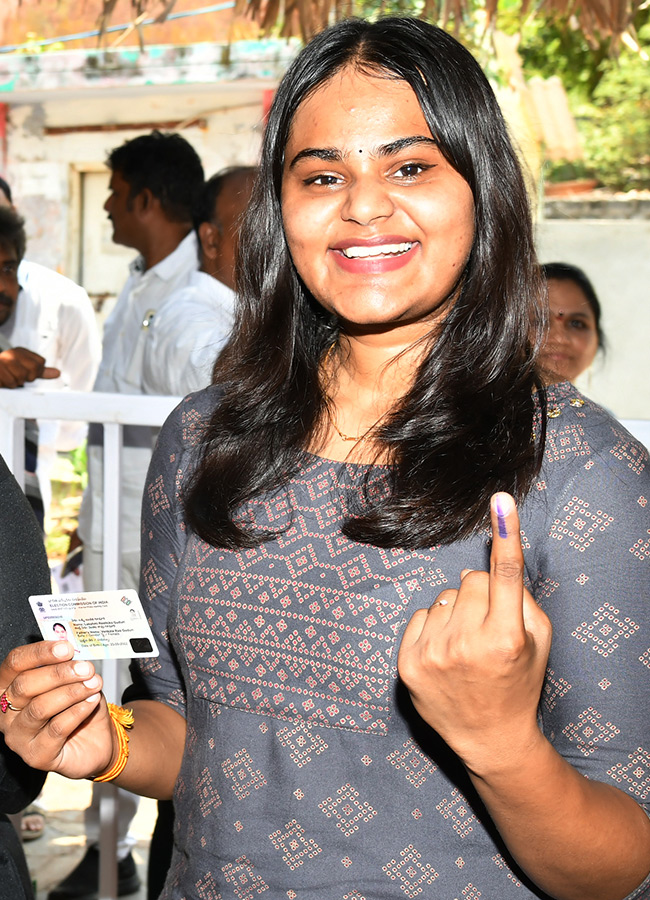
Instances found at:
x=379 y=250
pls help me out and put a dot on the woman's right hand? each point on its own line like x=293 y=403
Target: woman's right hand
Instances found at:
x=55 y=717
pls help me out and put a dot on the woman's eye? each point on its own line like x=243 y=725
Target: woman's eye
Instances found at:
x=325 y=180
x=410 y=170
x=578 y=324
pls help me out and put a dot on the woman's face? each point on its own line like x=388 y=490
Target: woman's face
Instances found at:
x=572 y=341
x=378 y=223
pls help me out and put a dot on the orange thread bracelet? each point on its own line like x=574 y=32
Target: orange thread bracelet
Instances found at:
x=122 y=719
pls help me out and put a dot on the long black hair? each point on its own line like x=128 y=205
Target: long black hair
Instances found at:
x=464 y=429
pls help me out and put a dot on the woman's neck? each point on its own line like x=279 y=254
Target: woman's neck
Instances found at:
x=364 y=376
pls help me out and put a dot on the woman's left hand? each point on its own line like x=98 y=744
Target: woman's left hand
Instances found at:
x=474 y=662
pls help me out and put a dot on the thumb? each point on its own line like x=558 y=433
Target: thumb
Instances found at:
x=50 y=372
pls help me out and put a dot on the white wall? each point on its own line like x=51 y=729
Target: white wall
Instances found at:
x=615 y=254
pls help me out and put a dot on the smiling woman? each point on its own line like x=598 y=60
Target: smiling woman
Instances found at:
x=376 y=678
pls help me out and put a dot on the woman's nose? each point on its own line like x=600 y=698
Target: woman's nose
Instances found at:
x=367 y=199
x=557 y=332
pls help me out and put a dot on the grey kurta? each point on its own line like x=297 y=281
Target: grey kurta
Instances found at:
x=307 y=773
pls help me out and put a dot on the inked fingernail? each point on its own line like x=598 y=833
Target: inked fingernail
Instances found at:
x=61 y=649
x=502 y=509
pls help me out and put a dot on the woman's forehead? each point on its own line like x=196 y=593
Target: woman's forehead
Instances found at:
x=356 y=106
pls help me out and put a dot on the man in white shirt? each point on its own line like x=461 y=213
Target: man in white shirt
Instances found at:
x=155 y=184
x=180 y=360
x=54 y=319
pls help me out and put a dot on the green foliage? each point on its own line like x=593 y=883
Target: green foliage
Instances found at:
x=609 y=97
x=616 y=129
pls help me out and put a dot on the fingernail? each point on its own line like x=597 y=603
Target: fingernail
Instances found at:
x=92 y=682
x=82 y=668
x=502 y=505
x=61 y=649
x=93 y=699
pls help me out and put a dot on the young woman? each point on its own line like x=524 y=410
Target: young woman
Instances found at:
x=327 y=503
x=574 y=335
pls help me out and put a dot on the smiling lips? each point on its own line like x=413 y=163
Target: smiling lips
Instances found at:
x=380 y=255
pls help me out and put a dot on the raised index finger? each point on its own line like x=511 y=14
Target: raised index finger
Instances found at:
x=506 y=563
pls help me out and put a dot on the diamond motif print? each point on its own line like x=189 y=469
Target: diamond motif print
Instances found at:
x=206 y=888
x=641 y=548
x=303 y=744
x=347 y=809
x=294 y=845
x=246 y=884
x=631 y=453
x=305 y=630
x=244 y=777
x=411 y=872
x=471 y=893
x=634 y=774
x=606 y=631
x=413 y=762
x=569 y=440
x=209 y=798
x=458 y=811
x=152 y=581
x=589 y=731
x=500 y=863
x=554 y=689
x=580 y=526
x=158 y=499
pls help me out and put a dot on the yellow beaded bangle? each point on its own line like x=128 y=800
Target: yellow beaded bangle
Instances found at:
x=122 y=719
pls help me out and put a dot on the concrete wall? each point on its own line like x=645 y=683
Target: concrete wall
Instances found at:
x=615 y=255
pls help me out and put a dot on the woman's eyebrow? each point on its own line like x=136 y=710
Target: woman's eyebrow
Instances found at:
x=333 y=154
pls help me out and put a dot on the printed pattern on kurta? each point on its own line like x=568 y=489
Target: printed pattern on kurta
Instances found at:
x=307 y=773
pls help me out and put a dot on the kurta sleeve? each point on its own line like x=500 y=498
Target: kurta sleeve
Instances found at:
x=593 y=580
x=164 y=539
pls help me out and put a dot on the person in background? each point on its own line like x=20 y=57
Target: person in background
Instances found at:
x=180 y=360
x=156 y=181
x=23 y=572
x=19 y=365
x=574 y=333
x=54 y=319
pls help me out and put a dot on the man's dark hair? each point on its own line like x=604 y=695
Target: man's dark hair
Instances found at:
x=204 y=211
x=12 y=231
x=165 y=164
x=6 y=190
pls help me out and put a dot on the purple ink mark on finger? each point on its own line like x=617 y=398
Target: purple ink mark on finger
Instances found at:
x=501 y=519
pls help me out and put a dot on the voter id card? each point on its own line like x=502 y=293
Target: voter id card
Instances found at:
x=98 y=624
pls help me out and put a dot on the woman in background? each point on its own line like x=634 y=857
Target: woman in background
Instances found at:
x=574 y=334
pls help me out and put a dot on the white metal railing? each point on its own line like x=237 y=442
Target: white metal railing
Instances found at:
x=113 y=411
